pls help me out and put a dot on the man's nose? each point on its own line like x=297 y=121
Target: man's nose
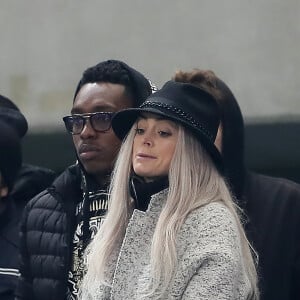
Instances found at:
x=87 y=130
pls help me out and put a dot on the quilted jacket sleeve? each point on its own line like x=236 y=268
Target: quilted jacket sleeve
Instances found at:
x=24 y=286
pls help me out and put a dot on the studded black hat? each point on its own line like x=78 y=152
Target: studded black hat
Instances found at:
x=185 y=103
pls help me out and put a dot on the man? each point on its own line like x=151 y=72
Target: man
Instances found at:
x=10 y=164
x=59 y=223
x=272 y=205
x=31 y=179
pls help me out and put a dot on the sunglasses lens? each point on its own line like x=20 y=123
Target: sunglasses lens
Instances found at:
x=74 y=124
x=101 y=121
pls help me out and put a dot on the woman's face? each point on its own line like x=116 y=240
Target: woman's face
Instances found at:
x=153 y=146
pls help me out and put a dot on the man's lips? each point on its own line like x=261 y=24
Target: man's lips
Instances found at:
x=88 y=151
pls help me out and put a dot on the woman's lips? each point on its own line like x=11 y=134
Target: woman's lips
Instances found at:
x=145 y=156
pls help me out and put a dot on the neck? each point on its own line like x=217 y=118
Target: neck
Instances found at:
x=142 y=191
x=102 y=180
x=96 y=181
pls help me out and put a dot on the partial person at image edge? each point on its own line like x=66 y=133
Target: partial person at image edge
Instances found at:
x=272 y=205
x=10 y=164
x=31 y=179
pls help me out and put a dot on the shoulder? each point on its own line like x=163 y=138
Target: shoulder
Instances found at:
x=31 y=180
x=273 y=191
x=212 y=214
x=270 y=181
x=64 y=187
x=33 y=171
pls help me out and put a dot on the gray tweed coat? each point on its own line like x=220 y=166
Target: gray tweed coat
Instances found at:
x=209 y=257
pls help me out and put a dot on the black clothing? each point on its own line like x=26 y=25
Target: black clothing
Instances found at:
x=10 y=154
x=9 y=233
x=30 y=181
x=48 y=229
x=273 y=208
x=142 y=191
x=88 y=221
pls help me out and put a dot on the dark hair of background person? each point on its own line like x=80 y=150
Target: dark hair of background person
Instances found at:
x=272 y=204
x=232 y=127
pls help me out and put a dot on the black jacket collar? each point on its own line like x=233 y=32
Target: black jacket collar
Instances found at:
x=142 y=191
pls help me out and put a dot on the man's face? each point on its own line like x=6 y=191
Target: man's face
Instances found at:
x=97 y=150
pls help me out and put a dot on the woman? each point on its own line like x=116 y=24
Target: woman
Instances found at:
x=172 y=230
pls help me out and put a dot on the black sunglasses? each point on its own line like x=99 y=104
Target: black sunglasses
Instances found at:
x=100 y=121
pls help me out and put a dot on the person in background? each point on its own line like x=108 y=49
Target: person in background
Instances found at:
x=172 y=230
x=31 y=179
x=59 y=223
x=271 y=204
x=10 y=164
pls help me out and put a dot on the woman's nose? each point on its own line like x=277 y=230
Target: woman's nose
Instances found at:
x=148 y=140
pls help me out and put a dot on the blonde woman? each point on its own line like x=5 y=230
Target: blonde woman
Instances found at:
x=172 y=230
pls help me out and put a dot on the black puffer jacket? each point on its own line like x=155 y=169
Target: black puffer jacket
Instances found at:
x=31 y=181
x=47 y=229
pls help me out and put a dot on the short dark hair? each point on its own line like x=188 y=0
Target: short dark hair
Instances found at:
x=137 y=87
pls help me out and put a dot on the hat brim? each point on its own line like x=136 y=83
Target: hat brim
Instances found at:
x=123 y=121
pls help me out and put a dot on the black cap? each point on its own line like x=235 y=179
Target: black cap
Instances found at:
x=15 y=119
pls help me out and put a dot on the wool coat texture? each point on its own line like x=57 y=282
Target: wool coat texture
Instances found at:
x=210 y=264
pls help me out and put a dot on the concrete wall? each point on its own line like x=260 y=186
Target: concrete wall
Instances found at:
x=253 y=45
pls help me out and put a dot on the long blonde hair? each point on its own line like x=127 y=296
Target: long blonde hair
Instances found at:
x=193 y=182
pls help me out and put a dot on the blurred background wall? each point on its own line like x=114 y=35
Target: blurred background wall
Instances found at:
x=252 y=45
